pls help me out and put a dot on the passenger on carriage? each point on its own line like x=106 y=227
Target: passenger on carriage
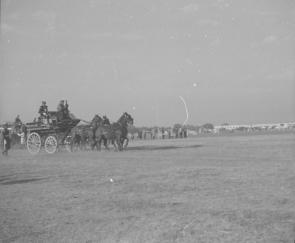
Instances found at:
x=63 y=110
x=43 y=111
x=61 y=106
x=66 y=111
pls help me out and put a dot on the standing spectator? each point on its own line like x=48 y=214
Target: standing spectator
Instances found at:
x=163 y=133
x=185 y=132
x=171 y=133
x=6 y=139
x=17 y=123
x=153 y=133
x=22 y=135
x=179 y=132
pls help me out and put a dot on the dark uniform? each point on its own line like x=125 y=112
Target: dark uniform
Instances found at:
x=6 y=140
x=63 y=110
x=66 y=110
x=60 y=110
x=17 y=123
x=43 y=111
x=17 y=120
x=105 y=121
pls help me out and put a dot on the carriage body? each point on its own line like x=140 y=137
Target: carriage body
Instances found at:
x=49 y=132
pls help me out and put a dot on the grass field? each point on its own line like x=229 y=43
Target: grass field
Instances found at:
x=209 y=189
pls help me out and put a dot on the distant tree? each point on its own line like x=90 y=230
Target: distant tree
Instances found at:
x=242 y=129
x=208 y=126
x=193 y=127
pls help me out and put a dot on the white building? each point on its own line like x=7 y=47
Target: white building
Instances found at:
x=263 y=126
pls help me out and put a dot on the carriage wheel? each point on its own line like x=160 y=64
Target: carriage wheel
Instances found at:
x=50 y=144
x=34 y=143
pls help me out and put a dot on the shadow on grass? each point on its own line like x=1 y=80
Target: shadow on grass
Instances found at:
x=12 y=182
x=153 y=147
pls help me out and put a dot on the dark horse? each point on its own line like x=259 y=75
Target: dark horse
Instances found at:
x=80 y=138
x=128 y=120
x=98 y=123
x=116 y=133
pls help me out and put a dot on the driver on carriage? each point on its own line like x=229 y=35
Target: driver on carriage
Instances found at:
x=105 y=120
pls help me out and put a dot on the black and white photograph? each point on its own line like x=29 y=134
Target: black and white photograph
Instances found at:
x=147 y=121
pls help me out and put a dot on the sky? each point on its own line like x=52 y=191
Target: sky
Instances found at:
x=232 y=61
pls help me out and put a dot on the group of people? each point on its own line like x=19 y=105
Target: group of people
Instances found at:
x=62 y=112
x=6 y=136
x=20 y=128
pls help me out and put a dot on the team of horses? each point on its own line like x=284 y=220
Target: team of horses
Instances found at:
x=96 y=133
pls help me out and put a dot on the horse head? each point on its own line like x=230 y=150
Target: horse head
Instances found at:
x=96 y=121
x=126 y=119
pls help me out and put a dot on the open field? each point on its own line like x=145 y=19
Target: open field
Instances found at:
x=208 y=189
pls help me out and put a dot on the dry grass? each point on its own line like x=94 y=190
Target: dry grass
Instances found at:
x=211 y=189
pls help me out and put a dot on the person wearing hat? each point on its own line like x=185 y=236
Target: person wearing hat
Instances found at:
x=17 y=120
x=61 y=106
x=43 y=111
x=22 y=134
x=66 y=110
x=105 y=120
x=61 y=110
x=6 y=139
x=17 y=123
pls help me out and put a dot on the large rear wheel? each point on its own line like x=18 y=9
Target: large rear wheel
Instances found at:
x=50 y=144
x=34 y=143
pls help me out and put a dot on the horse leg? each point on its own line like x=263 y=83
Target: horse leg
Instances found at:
x=105 y=142
x=126 y=144
x=94 y=144
x=99 y=144
x=119 y=143
x=71 y=146
x=114 y=144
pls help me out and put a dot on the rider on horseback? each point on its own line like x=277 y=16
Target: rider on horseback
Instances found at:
x=105 y=120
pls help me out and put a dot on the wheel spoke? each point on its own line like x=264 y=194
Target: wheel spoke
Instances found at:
x=34 y=143
x=50 y=144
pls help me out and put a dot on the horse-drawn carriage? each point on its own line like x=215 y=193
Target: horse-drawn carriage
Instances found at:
x=50 y=132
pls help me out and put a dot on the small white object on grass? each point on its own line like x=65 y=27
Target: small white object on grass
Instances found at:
x=111 y=180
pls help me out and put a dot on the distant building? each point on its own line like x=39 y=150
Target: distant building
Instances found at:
x=253 y=127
